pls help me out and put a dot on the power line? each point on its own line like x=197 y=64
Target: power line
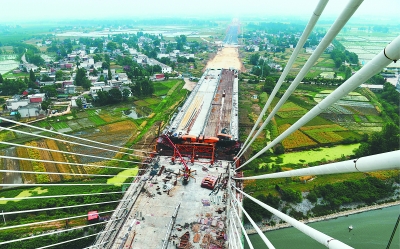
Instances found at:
x=67 y=135
x=65 y=152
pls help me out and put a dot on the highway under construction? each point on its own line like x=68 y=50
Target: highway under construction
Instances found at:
x=206 y=126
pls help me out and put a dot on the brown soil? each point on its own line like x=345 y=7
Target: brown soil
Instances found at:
x=227 y=57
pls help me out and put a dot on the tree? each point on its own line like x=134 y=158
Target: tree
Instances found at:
x=45 y=105
x=17 y=116
x=109 y=74
x=50 y=91
x=125 y=94
x=112 y=46
x=80 y=77
x=45 y=77
x=269 y=84
x=97 y=58
x=254 y=58
x=59 y=75
x=115 y=96
x=87 y=84
x=347 y=72
x=79 y=103
x=32 y=76
x=102 y=97
x=1 y=78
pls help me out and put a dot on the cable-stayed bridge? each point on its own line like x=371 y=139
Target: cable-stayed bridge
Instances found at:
x=156 y=203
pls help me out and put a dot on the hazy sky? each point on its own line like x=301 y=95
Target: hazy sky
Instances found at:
x=21 y=10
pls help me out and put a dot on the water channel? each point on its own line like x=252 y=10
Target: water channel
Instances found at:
x=371 y=230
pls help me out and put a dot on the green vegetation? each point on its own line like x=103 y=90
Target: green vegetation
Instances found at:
x=368 y=190
x=122 y=176
x=59 y=125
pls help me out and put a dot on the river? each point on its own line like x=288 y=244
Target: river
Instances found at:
x=372 y=230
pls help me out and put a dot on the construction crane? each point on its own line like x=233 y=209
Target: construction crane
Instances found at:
x=187 y=172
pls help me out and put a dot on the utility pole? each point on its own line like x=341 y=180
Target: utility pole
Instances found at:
x=4 y=218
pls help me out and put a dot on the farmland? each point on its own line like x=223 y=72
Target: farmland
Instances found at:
x=110 y=125
x=340 y=127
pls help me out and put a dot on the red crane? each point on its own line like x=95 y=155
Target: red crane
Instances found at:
x=186 y=172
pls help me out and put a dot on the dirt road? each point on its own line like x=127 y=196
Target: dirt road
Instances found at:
x=228 y=57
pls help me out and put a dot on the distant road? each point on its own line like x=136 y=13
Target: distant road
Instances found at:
x=231 y=37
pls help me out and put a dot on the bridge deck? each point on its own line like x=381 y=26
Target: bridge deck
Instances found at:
x=147 y=223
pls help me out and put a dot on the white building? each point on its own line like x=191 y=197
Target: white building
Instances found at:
x=30 y=110
x=16 y=102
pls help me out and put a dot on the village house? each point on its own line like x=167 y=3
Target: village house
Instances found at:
x=30 y=110
x=75 y=98
x=15 y=102
x=70 y=89
x=164 y=68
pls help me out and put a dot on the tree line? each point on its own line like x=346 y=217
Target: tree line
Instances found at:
x=367 y=190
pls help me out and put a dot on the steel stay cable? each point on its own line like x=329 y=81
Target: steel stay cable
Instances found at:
x=370 y=69
x=60 y=219
x=316 y=235
x=260 y=233
x=59 y=184
x=66 y=141
x=67 y=135
x=66 y=241
x=341 y=20
x=55 y=173
x=311 y=23
x=57 y=196
x=58 y=162
x=51 y=233
x=241 y=225
x=55 y=208
x=236 y=234
x=64 y=152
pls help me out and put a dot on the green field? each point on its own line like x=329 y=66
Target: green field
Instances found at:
x=162 y=87
x=122 y=176
x=26 y=193
x=59 y=125
x=310 y=156
x=97 y=120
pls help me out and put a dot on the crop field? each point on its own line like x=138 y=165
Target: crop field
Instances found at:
x=6 y=135
x=290 y=110
x=59 y=157
x=97 y=120
x=59 y=125
x=296 y=139
x=148 y=102
x=324 y=133
x=74 y=125
x=126 y=125
x=85 y=122
x=346 y=120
